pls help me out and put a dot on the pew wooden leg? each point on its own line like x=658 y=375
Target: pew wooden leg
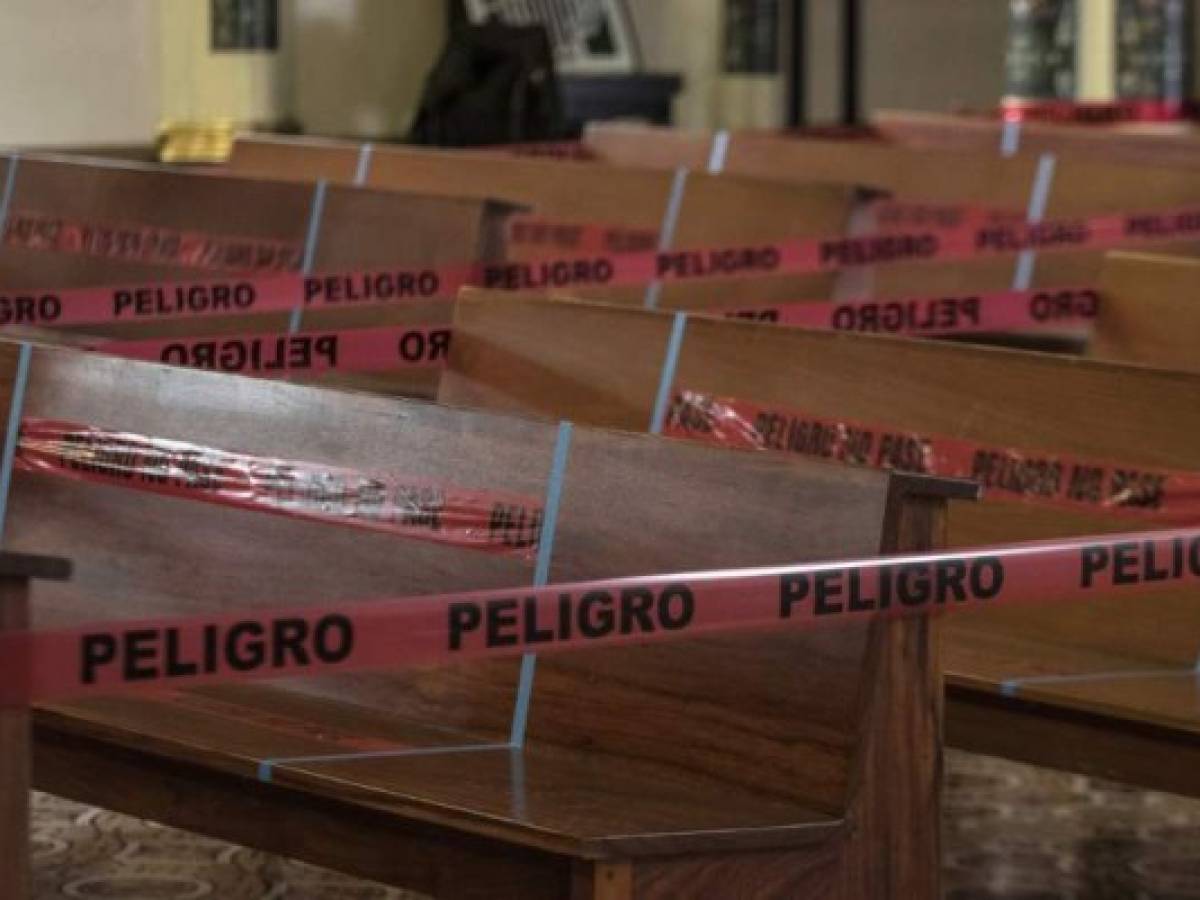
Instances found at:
x=15 y=880
x=895 y=848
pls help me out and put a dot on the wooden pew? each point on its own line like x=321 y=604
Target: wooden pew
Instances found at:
x=757 y=766
x=1148 y=311
x=1076 y=188
x=357 y=229
x=605 y=366
x=16 y=572
x=713 y=211
x=1173 y=144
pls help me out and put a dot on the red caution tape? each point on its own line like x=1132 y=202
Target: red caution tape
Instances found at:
x=241 y=295
x=413 y=508
x=1067 y=311
x=590 y=270
x=172 y=653
x=1098 y=112
x=150 y=244
x=895 y=215
x=1062 y=310
x=279 y=355
x=578 y=237
x=1033 y=476
x=574 y=150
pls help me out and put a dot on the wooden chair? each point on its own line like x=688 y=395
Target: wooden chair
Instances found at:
x=1148 y=311
x=757 y=766
x=1108 y=688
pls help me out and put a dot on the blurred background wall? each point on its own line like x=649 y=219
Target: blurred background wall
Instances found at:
x=113 y=71
x=79 y=71
x=360 y=64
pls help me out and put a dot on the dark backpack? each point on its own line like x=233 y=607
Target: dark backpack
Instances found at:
x=494 y=84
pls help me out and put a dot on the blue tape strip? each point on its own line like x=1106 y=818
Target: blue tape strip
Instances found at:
x=365 y=153
x=516 y=784
x=10 y=188
x=1039 y=199
x=1010 y=137
x=666 y=377
x=541 y=576
x=12 y=433
x=1011 y=686
x=666 y=232
x=266 y=768
x=311 y=239
x=717 y=152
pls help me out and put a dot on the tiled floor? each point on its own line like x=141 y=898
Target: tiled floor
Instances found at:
x=1020 y=833
x=1012 y=833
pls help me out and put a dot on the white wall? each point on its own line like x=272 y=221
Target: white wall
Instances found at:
x=78 y=72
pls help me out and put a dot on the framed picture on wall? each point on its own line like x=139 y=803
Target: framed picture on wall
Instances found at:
x=589 y=36
x=1154 y=50
x=244 y=25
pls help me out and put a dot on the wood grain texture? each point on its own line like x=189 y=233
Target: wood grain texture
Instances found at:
x=927 y=175
x=360 y=229
x=1148 y=311
x=357 y=226
x=338 y=833
x=1080 y=186
x=716 y=210
x=895 y=847
x=1140 y=144
x=767 y=875
x=1047 y=733
x=16 y=749
x=605 y=881
x=547 y=357
x=712 y=745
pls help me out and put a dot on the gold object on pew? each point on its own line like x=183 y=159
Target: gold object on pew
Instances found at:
x=196 y=142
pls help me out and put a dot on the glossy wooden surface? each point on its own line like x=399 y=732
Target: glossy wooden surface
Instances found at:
x=15 y=760
x=713 y=745
x=357 y=225
x=545 y=357
x=341 y=834
x=16 y=570
x=359 y=229
x=715 y=211
x=1174 y=144
x=1148 y=311
x=1079 y=187
x=897 y=809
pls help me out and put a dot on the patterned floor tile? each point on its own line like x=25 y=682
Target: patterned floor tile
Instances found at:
x=1012 y=832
